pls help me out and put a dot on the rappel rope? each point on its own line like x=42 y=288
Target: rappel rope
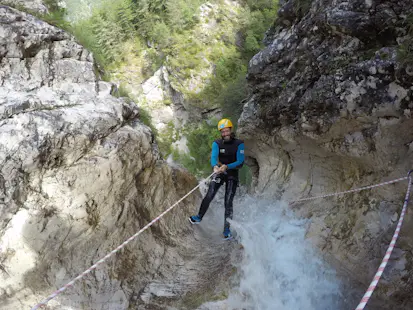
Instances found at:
x=386 y=258
x=365 y=297
x=104 y=259
x=351 y=190
x=389 y=251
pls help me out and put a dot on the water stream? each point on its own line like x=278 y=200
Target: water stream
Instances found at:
x=279 y=268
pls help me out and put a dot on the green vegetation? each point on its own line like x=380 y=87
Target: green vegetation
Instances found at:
x=147 y=30
x=405 y=51
x=132 y=39
x=227 y=86
x=245 y=176
x=205 y=47
x=199 y=141
x=200 y=138
x=56 y=15
x=166 y=137
x=144 y=115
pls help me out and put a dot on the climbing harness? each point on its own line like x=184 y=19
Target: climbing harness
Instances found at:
x=366 y=296
x=104 y=259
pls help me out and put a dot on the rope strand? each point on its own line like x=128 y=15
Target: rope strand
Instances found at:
x=351 y=190
x=365 y=297
x=104 y=259
x=389 y=251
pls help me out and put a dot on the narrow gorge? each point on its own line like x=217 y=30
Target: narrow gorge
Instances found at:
x=80 y=173
x=329 y=108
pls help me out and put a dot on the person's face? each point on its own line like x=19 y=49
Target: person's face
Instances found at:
x=226 y=134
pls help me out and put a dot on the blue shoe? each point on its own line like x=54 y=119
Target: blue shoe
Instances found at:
x=194 y=219
x=227 y=234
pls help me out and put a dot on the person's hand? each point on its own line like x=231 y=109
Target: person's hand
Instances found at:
x=216 y=169
x=223 y=168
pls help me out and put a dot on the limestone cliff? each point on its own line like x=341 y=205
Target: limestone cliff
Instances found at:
x=30 y=5
x=331 y=108
x=79 y=174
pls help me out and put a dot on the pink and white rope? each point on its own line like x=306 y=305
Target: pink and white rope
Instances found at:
x=350 y=191
x=365 y=297
x=104 y=259
x=386 y=258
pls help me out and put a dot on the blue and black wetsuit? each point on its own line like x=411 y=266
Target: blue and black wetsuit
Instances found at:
x=230 y=153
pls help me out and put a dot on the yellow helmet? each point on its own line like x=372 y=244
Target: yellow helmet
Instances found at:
x=224 y=123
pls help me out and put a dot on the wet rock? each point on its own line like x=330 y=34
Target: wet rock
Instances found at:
x=330 y=110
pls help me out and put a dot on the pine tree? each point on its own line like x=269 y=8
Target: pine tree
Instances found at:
x=124 y=17
x=181 y=13
x=107 y=35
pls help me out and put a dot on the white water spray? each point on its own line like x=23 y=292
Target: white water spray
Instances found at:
x=279 y=269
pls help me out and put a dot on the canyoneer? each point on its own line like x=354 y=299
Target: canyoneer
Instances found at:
x=227 y=157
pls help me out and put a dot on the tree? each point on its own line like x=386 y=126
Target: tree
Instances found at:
x=125 y=17
x=181 y=14
x=160 y=34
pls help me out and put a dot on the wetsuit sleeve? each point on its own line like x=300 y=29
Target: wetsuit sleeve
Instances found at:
x=240 y=158
x=214 y=154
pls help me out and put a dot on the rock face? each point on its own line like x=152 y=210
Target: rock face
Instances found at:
x=79 y=174
x=170 y=93
x=32 y=5
x=156 y=93
x=331 y=108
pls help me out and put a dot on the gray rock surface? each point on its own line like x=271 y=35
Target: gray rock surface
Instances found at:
x=331 y=109
x=79 y=174
x=31 y=5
